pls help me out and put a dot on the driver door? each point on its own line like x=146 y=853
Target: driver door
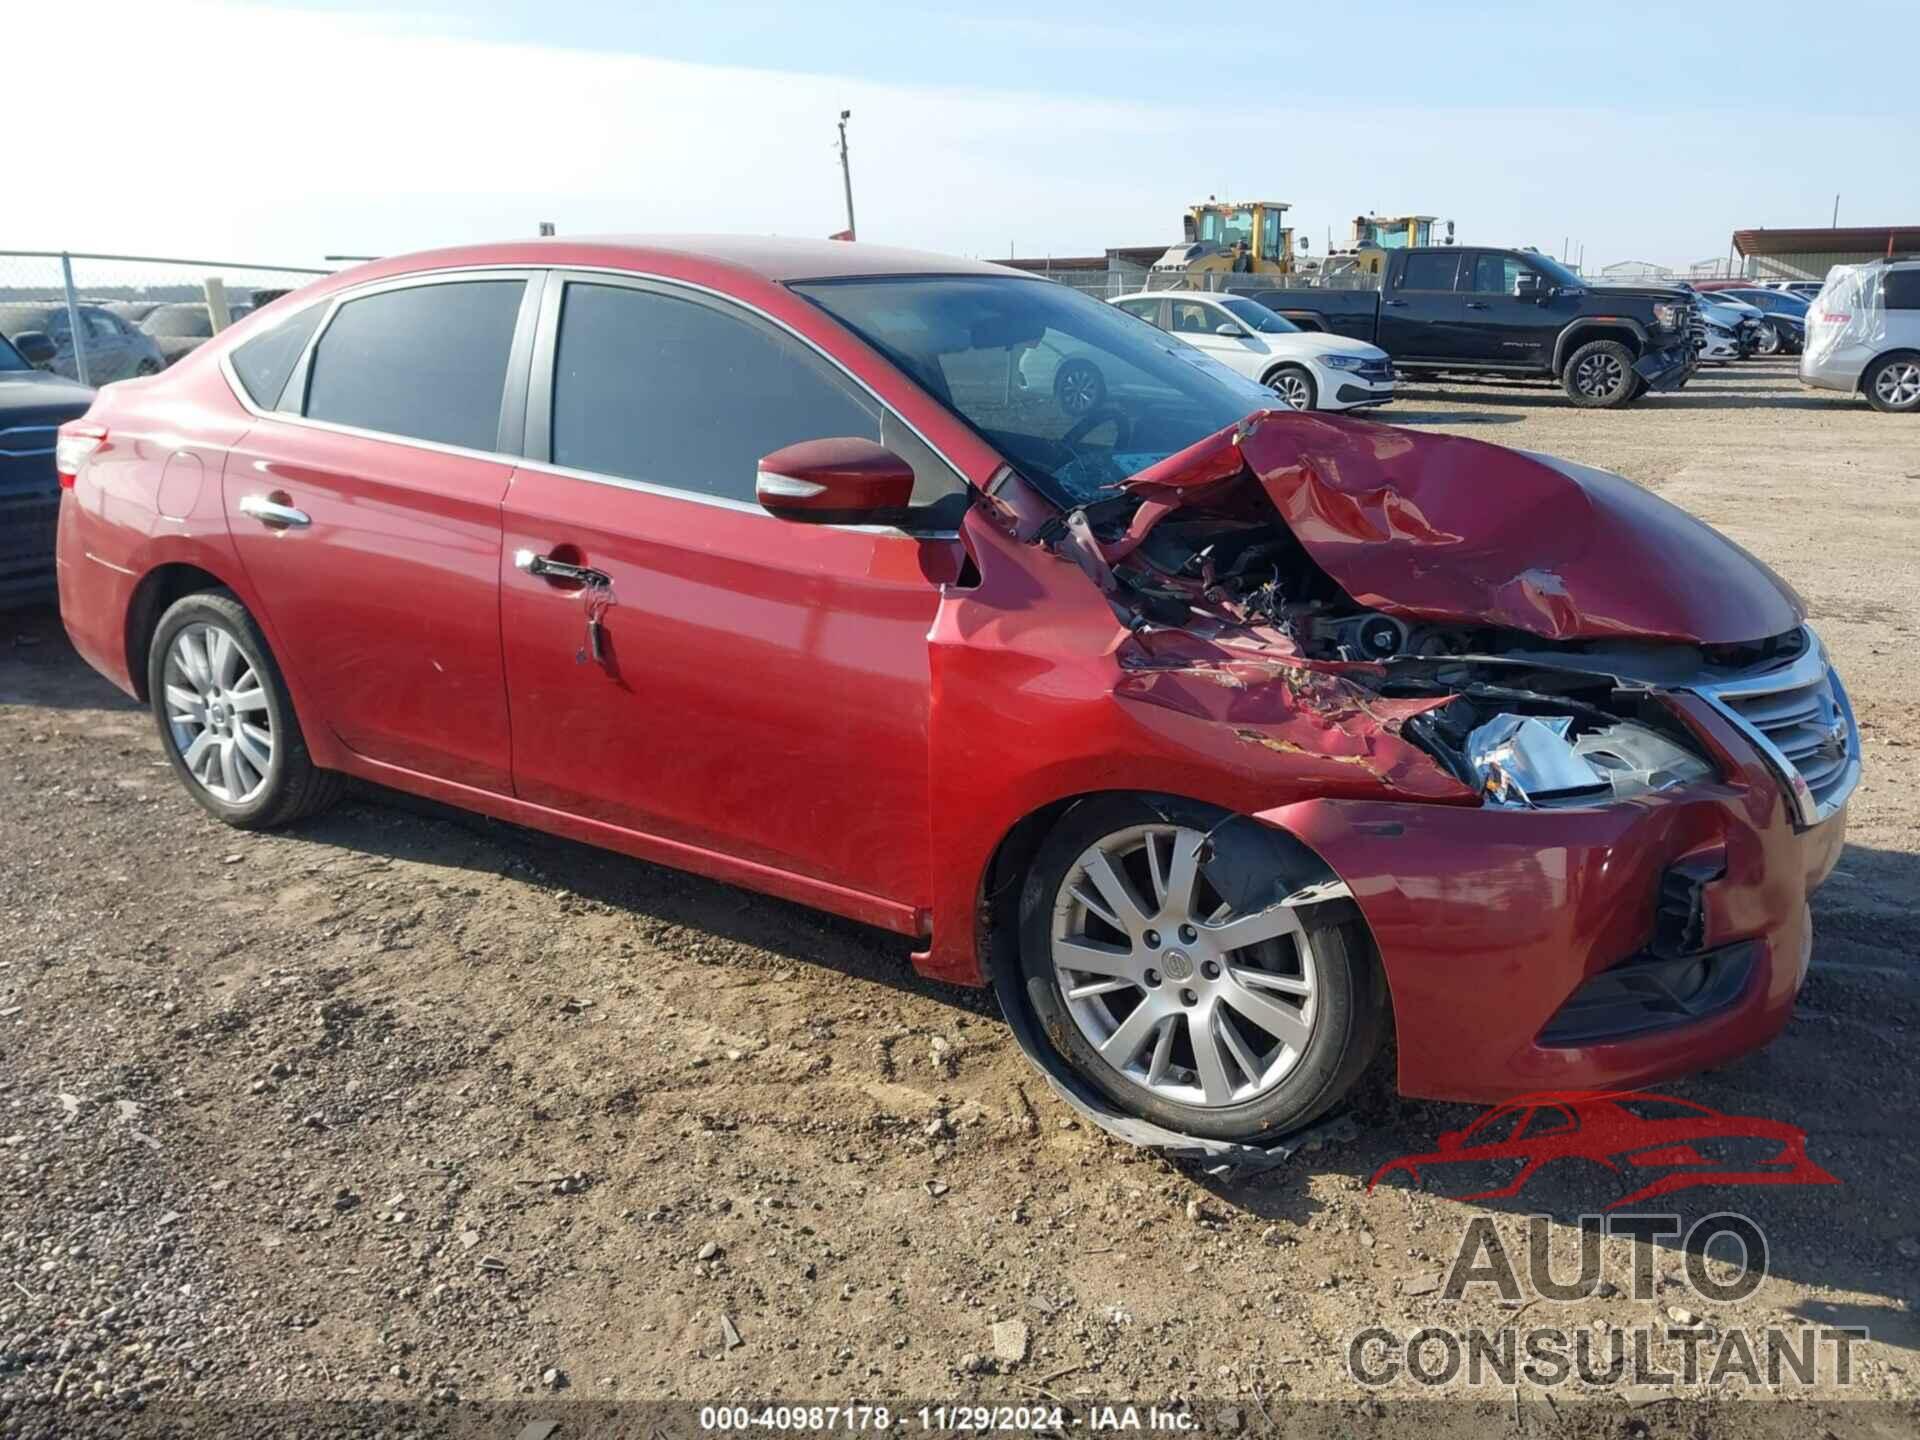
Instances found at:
x=761 y=689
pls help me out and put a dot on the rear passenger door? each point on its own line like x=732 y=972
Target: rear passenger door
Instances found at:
x=365 y=505
x=762 y=689
x=1421 y=312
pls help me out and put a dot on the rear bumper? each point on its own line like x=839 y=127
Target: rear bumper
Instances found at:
x=1837 y=367
x=1489 y=922
x=94 y=598
x=1667 y=369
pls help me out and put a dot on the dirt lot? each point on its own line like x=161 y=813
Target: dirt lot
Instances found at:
x=406 y=1104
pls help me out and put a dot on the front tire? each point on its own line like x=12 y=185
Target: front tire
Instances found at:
x=1237 y=1024
x=1892 y=384
x=1295 y=386
x=225 y=721
x=1769 y=341
x=1599 y=375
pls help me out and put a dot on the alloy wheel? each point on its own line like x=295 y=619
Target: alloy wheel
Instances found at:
x=1080 y=388
x=1599 y=375
x=1181 y=996
x=1898 y=385
x=1292 y=388
x=1769 y=342
x=217 y=714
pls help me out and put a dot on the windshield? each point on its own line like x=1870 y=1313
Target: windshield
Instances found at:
x=10 y=358
x=1073 y=392
x=1256 y=316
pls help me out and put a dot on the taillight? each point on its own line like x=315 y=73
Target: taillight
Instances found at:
x=74 y=447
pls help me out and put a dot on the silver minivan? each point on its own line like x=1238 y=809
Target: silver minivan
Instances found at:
x=1863 y=334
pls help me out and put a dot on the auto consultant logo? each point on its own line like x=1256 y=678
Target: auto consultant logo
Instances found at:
x=1672 y=1345
x=1654 y=1144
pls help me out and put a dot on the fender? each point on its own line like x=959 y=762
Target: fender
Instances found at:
x=1039 y=695
x=1572 y=336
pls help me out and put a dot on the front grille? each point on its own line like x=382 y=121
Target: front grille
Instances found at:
x=29 y=510
x=1798 y=716
x=1376 y=371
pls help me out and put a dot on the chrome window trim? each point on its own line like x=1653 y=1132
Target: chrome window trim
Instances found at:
x=53 y=430
x=536 y=275
x=718 y=502
x=1810 y=667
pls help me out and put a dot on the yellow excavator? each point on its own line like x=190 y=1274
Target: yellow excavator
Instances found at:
x=1248 y=237
x=1375 y=237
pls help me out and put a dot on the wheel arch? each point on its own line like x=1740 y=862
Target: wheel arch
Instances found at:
x=159 y=588
x=1582 y=332
x=997 y=910
x=1897 y=352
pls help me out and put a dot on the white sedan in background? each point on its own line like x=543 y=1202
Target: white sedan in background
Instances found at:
x=1309 y=369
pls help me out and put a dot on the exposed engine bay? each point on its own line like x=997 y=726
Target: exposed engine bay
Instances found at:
x=1559 y=709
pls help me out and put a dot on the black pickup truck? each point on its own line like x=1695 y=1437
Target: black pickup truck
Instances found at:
x=1506 y=312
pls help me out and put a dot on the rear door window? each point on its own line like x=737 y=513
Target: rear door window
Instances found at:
x=1429 y=270
x=428 y=362
x=681 y=394
x=1901 y=290
x=264 y=362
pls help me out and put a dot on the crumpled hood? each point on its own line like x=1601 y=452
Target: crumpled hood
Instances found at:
x=1437 y=527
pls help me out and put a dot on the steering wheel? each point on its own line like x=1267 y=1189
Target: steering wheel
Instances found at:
x=1088 y=423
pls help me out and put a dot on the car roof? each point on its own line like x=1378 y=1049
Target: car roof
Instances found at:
x=774 y=258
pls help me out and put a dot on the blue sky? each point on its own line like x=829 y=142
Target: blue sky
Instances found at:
x=1642 y=132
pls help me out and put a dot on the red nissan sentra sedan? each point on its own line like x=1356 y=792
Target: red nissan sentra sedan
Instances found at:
x=1223 y=737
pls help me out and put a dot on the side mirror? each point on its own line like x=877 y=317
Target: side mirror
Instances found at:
x=1230 y=330
x=1530 y=287
x=36 y=347
x=843 y=481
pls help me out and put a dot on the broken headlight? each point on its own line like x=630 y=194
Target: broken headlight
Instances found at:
x=1532 y=760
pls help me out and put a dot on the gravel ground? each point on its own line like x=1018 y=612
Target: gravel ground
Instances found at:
x=404 y=1104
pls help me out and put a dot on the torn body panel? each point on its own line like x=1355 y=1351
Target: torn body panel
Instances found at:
x=1038 y=695
x=1440 y=528
x=1528 y=907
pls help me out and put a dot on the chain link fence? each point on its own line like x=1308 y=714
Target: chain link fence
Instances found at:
x=1111 y=283
x=93 y=319
x=100 y=318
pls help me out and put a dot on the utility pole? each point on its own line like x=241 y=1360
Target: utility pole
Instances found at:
x=1836 y=210
x=846 y=171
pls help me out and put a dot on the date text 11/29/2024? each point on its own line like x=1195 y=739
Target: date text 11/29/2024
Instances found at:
x=947 y=1418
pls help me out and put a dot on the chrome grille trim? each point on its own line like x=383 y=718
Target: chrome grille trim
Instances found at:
x=1798 y=717
x=15 y=441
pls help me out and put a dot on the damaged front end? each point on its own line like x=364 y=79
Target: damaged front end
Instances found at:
x=1452 y=620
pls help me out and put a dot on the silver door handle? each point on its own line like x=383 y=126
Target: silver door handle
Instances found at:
x=270 y=512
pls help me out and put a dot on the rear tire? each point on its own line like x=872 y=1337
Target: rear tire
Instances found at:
x=225 y=719
x=1892 y=383
x=1294 y=385
x=1289 y=1086
x=1599 y=375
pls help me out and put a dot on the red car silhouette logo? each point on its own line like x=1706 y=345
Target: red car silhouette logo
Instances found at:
x=1675 y=1143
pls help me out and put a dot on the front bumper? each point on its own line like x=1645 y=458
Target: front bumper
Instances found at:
x=1667 y=369
x=1489 y=922
x=1349 y=389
